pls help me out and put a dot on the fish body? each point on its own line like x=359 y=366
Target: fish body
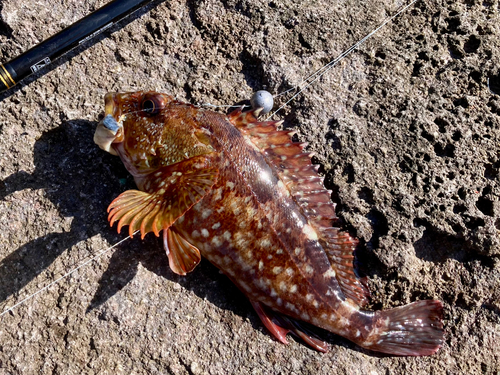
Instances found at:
x=247 y=198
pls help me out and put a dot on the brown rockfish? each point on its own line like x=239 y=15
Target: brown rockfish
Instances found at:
x=246 y=197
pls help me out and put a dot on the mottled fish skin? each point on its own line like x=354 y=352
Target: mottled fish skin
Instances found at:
x=233 y=190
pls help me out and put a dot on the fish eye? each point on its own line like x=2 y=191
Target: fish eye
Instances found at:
x=151 y=105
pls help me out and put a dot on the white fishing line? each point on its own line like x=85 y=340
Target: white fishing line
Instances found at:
x=309 y=80
x=327 y=67
x=99 y=254
x=210 y=105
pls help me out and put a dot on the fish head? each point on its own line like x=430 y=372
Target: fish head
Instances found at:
x=149 y=130
x=125 y=111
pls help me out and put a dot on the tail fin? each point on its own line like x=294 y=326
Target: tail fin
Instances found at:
x=414 y=329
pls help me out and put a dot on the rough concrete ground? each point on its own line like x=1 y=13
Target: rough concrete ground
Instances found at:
x=406 y=130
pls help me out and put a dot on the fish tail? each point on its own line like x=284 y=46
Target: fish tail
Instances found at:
x=412 y=330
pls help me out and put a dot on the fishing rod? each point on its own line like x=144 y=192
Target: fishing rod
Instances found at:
x=72 y=36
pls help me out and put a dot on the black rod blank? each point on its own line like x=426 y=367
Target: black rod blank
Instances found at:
x=47 y=51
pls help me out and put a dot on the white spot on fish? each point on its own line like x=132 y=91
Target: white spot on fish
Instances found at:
x=216 y=241
x=230 y=185
x=206 y=213
x=293 y=288
x=261 y=265
x=265 y=243
x=282 y=286
x=217 y=194
x=195 y=234
x=216 y=226
x=227 y=235
x=289 y=271
x=240 y=239
x=277 y=270
x=310 y=232
x=329 y=274
x=250 y=211
x=283 y=188
x=344 y=321
x=292 y=307
x=235 y=207
x=309 y=270
x=297 y=251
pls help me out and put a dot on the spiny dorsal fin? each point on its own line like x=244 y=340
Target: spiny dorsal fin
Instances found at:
x=295 y=169
x=293 y=166
x=169 y=193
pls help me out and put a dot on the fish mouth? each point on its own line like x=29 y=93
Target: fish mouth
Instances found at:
x=110 y=128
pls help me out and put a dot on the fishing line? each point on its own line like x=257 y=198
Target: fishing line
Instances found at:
x=99 y=254
x=312 y=78
x=327 y=67
x=309 y=80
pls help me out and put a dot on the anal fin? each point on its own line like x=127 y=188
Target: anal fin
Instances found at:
x=267 y=319
x=279 y=325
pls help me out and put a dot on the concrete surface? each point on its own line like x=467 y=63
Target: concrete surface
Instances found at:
x=405 y=129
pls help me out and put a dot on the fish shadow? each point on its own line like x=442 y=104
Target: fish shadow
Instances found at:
x=81 y=180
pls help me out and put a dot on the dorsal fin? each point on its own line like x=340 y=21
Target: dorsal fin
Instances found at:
x=300 y=176
x=339 y=247
x=293 y=166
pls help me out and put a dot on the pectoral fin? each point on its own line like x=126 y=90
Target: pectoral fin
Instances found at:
x=169 y=193
x=182 y=256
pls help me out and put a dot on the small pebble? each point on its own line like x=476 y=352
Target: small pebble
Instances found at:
x=262 y=99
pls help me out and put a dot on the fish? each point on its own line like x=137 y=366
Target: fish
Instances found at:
x=245 y=196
